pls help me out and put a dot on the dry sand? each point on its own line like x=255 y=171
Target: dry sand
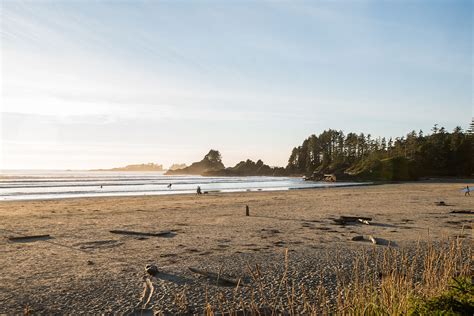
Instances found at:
x=85 y=269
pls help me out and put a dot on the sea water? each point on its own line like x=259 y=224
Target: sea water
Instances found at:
x=53 y=184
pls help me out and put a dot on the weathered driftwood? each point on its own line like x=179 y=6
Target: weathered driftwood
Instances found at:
x=130 y=232
x=375 y=241
x=462 y=212
x=342 y=220
x=216 y=276
x=146 y=300
x=339 y=221
x=151 y=269
x=26 y=238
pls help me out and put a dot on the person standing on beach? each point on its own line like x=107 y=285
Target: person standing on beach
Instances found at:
x=198 y=190
x=467 y=191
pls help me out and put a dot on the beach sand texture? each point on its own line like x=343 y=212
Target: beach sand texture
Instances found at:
x=83 y=268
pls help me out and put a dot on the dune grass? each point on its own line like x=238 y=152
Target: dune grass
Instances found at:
x=381 y=282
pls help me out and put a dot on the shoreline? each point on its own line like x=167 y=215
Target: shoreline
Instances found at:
x=236 y=191
x=205 y=192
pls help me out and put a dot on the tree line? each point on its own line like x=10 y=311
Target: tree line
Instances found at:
x=352 y=155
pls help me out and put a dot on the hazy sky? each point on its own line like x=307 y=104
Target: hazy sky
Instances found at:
x=90 y=84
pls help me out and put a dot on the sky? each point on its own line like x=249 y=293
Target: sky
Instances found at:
x=99 y=84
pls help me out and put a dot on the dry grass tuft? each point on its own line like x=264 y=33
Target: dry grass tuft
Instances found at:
x=381 y=282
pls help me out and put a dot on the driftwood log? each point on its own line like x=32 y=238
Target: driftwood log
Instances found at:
x=372 y=239
x=130 y=232
x=151 y=269
x=26 y=238
x=462 y=212
x=342 y=220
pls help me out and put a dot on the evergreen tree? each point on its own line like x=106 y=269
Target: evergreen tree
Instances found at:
x=440 y=154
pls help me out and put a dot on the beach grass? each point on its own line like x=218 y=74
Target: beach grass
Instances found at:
x=388 y=282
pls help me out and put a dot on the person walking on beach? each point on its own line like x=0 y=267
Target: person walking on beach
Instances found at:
x=198 y=190
x=467 y=191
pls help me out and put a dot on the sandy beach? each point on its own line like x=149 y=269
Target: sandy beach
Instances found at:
x=85 y=269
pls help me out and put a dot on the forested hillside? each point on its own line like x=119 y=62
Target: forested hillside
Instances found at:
x=361 y=156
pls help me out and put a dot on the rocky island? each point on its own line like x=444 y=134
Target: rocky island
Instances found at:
x=212 y=162
x=211 y=165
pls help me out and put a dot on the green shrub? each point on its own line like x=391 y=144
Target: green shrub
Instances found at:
x=458 y=300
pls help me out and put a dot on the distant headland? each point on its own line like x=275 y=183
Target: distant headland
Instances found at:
x=138 y=167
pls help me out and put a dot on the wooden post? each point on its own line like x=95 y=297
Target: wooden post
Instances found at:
x=247 y=210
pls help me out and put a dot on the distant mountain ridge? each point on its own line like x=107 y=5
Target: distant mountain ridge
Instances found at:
x=138 y=167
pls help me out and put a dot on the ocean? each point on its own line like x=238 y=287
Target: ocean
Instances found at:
x=54 y=184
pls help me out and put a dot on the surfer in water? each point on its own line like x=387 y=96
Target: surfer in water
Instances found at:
x=169 y=186
x=467 y=191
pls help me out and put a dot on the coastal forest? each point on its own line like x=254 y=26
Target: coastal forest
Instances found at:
x=410 y=157
x=354 y=156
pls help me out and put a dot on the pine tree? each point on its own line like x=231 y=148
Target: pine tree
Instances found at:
x=471 y=127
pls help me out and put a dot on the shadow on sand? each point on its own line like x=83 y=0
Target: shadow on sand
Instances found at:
x=170 y=277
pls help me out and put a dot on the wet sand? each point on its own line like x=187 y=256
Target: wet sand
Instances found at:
x=85 y=269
